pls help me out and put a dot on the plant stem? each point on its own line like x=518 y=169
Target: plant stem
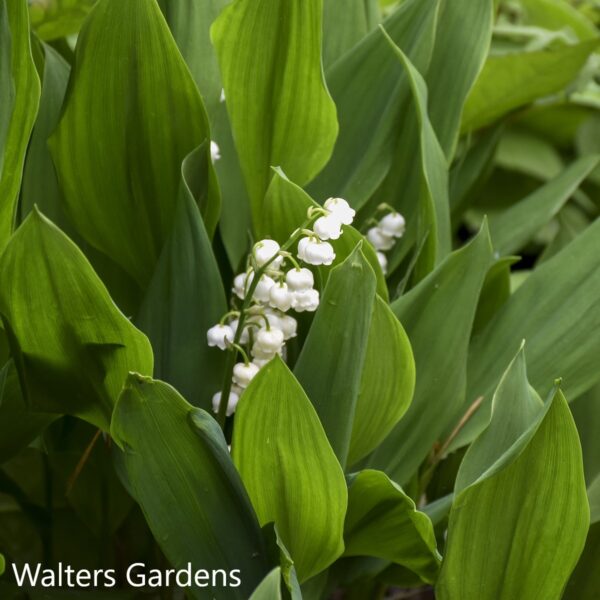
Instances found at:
x=233 y=351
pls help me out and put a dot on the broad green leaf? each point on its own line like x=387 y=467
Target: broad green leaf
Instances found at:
x=331 y=361
x=290 y=471
x=180 y=472
x=18 y=426
x=281 y=113
x=270 y=587
x=40 y=184
x=285 y=209
x=72 y=346
x=345 y=24
x=554 y=310
x=121 y=192
x=371 y=93
x=52 y=19
x=461 y=45
x=585 y=579
x=434 y=213
x=184 y=299
x=438 y=315
x=586 y=412
x=19 y=99
x=513 y=80
x=518 y=531
x=382 y=521
x=514 y=227
x=387 y=383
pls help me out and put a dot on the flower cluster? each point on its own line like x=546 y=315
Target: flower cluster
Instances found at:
x=273 y=284
x=383 y=236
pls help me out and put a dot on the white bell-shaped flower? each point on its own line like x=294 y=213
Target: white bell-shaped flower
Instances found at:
x=300 y=279
x=315 y=252
x=306 y=300
x=243 y=374
x=261 y=362
x=241 y=283
x=232 y=402
x=263 y=289
x=379 y=239
x=383 y=263
x=220 y=336
x=393 y=224
x=280 y=297
x=289 y=326
x=265 y=250
x=268 y=341
x=328 y=228
x=342 y=211
x=215 y=151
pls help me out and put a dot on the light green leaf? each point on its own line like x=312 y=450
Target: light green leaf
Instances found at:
x=371 y=93
x=438 y=315
x=382 y=521
x=121 y=192
x=52 y=19
x=513 y=80
x=345 y=24
x=270 y=587
x=331 y=361
x=72 y=346
x=19 y=98
x=387 y=383
x=281 y=113
x=461 y=45
x=290 y=471
x=514 y=227
x=180 y=471
x=184 y=299
x=518 y=530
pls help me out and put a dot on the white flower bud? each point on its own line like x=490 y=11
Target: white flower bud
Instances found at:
x=222 y=97
x=380 y=240
x=261 y=362
x=280 y=297
x=263 y=289
x=300 y=279
x=265 y=250
x=219 y=336
x=243 y=374
x=383 y=263
x=342 y=211
x=289 y=326
x=231 y=403
x=302 y=245
x=306 y=300
x=215 y=151
x=269 y=341
x=241 y=283
x=319 y=253
x=328 y=228
x=393 y=224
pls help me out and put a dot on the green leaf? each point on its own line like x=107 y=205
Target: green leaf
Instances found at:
x=345 y=23
x=586 y=412
x=121 y=192
x=281 y=113
x=290 y=471
x=18 y=426
x=331 y=361
x=184 y=299
x=514 y=227
x=40 y=184
x=52 y=19
x=585 y=580
x=513 y=80
x=461 y=45
x=371 y=92
x=528 y=547
x=382 y=521
x=180 y=472
x=270 y=587
x=387 y=383
x=72 y=346
x=554 y=310
x=438 y=315
x=19 y=98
